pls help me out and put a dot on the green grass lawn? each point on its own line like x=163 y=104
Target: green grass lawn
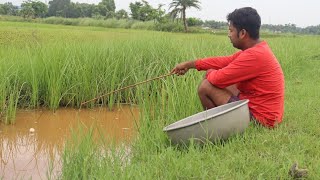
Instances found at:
x=54 y=66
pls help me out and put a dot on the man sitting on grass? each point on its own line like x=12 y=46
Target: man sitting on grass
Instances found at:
x=252 y=73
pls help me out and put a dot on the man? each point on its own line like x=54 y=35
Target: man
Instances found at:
x=252 y=73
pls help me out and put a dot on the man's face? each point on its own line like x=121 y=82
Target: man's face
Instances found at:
x=234 y=36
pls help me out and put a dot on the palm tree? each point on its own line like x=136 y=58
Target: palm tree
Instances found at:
x=180 y=6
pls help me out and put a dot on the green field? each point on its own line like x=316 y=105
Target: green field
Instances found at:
x=57 y=66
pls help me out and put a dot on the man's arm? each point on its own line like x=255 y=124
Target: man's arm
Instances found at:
x=215 y=62
x=204 y=64
x=244 y=67
x=183 y=67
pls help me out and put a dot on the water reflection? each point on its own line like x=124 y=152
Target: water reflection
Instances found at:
x=26 y=154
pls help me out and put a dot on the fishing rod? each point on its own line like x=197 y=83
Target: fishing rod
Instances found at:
x=127 y=87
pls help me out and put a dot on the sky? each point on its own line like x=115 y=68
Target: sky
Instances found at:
x=302 y=13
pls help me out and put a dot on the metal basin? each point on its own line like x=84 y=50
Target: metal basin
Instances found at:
x=214 y=124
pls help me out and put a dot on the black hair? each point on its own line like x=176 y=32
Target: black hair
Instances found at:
x=246 y=18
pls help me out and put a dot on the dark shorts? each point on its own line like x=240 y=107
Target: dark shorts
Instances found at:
x=236 y=98
x=233 y=99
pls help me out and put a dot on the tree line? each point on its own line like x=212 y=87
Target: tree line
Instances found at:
x=139 y=10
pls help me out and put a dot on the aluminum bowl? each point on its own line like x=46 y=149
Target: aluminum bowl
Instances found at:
x=214 y=124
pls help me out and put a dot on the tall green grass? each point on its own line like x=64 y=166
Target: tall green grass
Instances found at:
x=64 y=67
x=58 y=66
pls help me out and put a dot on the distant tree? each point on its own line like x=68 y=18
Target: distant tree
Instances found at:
x=107 y=8
x=174 y=14
x=142 y=11
x=84 y=9
x=160 y=14
x=76 y=10
x=287 y=28
x=33 y=9
x=180 y=6
x=27 y=10
x=59 y=8
x=312 y=30
x=121 y=14
x=216 y=24
x=147 y=12
x=96 y=13
x=8 y=9
x=111 y=6
x=194 y=21
x=135 y=10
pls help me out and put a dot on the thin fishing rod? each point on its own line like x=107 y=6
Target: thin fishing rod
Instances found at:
x=127 y=87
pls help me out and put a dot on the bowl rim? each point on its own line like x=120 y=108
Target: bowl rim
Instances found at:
x=241 y=103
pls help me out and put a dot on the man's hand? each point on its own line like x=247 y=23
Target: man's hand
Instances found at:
x=183 y=68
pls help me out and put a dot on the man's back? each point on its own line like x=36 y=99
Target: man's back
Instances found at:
x=266 y=90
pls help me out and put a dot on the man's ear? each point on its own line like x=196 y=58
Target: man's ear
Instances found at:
x=243 y=33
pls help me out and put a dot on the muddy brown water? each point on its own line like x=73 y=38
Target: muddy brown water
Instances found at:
x=26 y=155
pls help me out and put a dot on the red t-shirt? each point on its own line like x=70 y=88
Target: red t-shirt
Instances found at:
x=258 y=76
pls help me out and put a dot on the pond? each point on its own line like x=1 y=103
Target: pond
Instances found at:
x=35 y=142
